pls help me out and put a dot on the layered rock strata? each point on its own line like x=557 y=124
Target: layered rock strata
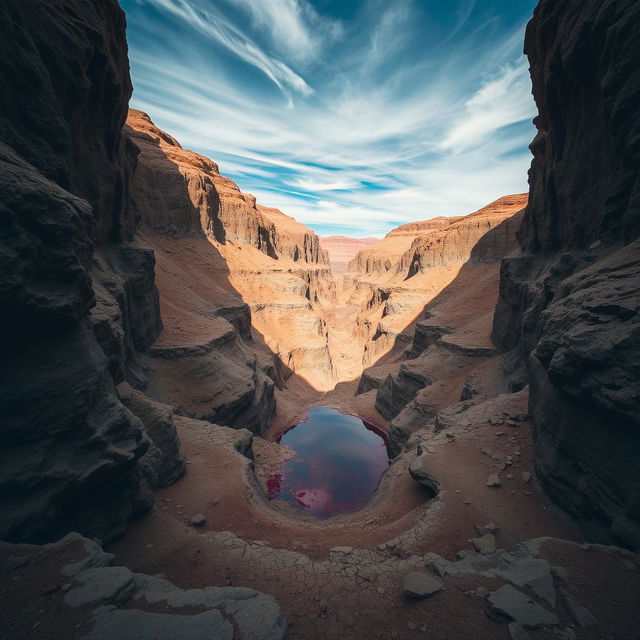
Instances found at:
x=77 y=293
x=243 y=287
x=398 y=282
x=568 y=316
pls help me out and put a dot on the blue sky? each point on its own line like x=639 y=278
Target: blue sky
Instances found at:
x=353 y=116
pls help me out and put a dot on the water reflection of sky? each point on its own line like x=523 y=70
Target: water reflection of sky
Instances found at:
x=336 y=467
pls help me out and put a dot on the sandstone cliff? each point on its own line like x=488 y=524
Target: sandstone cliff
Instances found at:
x=242 y=287
x=466 y=238
x=568 y=310
x=392 y=282
x=77 y=295
x=435 y=309
x=383 y=255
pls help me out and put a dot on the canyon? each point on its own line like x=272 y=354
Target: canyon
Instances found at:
x=161 y=329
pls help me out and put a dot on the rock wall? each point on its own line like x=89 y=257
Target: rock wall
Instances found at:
x=222 y=255
x=567 y=317
x=382 y=256
x=181 y=192
x=77 y=296
x=467 y=238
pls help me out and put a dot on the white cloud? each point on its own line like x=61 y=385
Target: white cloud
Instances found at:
x=409 y=139
x=212 y=24
x=503 y=100
x=292 y=26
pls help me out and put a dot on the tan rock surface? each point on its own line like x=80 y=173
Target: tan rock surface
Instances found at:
x=342 y=249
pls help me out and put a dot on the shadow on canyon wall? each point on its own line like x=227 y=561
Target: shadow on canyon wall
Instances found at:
x=426 y=329
x=198 y=365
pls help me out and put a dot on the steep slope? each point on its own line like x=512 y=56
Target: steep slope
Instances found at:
x=467 y=238
x=568 y=309
x=77 y=294
x=394 y=280
x=242 y=287
x=342 y=249
x=382 y=256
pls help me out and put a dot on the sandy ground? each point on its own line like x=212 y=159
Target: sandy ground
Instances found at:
x=401 y=518
x=356 y=562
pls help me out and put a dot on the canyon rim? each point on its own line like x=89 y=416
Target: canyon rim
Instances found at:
x=164 y=330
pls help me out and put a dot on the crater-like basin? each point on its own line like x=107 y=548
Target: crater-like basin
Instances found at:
x=336 y=466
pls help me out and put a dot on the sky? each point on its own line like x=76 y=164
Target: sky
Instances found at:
x=353 y=116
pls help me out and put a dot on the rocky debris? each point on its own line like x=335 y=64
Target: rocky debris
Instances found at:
x=343 y=550
x=568 y=311
x=521 y=569
x=483 y=529
x=420 y=585
x=493 y=480
x=116 y=601
x=514 y=605
x=484 y=544
x=580 y=614
x=526 y=477
x=199 y=520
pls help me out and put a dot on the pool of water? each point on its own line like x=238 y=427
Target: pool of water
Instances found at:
x=337 y=464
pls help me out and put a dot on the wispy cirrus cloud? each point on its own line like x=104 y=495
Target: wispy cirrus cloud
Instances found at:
x=391 y=112
x=210 y=21
x=292 y=27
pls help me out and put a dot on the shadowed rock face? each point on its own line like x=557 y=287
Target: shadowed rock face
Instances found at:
x=263 y=276
x=568 y=308
x=77 y=298
x=182 y=192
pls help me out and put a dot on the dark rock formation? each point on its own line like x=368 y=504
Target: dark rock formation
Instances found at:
x=77 y=297
x=569 y=303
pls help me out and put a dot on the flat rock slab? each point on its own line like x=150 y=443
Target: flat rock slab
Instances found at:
x=420 y=585
x=580 y=614
x=101 y=586
x=516 y=606
x=132 y=624
x=516 y=632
